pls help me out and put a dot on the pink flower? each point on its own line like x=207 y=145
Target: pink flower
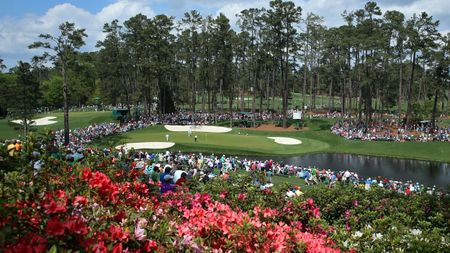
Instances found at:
x=139 y=232
x=242 y=196
x=150 y=245
x=80 y=200
x=222 y=195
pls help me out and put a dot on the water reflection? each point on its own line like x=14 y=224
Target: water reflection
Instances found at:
x=428 y=173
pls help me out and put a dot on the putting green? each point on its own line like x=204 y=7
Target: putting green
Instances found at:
x=76 y=120
x=234 y=142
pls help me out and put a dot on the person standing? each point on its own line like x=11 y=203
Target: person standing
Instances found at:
x=11 y=148
x=167 y=137
x=195 y=138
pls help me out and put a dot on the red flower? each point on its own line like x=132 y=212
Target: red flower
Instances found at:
x=100 y=248
x=310 y=201
x=150 y=245
x=117 y=248
x=316 y=213
x=55 y=207
x=117 y=233
x=120 y=216
x=29 y=243
x=242 y=196
x=80 y=200
x=98 y=180
x=77 y=226
x=60 y=194
x=87 y=174
x=54 y=227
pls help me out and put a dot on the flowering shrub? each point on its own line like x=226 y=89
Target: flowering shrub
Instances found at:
x=384 y=221
x=107 y=209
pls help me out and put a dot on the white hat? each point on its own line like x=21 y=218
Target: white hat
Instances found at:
x=167 y=177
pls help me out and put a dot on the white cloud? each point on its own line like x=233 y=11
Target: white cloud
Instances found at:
x=16 y=35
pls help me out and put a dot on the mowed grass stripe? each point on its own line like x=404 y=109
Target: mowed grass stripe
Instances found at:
x=232 y=143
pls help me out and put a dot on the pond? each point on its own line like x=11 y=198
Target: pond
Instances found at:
x=425 y=172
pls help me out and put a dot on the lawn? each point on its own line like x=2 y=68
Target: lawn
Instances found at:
x=76 y=120
x=235 y=142
x=317 y=138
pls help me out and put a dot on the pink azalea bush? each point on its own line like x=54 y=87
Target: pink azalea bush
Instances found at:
x=111 y=210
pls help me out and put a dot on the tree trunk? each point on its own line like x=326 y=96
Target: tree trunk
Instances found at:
x=410 y=90
x=433 y=119
x=360 y=104
x=399 y=101
x=285 y=87
x=268 y=91
x=311 y=91
x=230 y=105
x=350 y=95
x=342 y=84
x=203 y=99
x=305 y=69
x=330 y=96
x=221 y=95
x=66 y=103
x=253 y=105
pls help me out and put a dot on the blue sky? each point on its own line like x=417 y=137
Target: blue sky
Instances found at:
x=22 y=20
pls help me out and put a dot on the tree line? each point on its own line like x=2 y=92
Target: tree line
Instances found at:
x=374 y=63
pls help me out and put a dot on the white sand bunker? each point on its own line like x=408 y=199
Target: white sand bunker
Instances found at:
x=146 y=145
x=286 y=140
x=39 y=122
x=204 y=129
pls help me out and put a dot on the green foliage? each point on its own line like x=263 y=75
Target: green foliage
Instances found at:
x=24 y=96
x=381 y=220
x=52 y=90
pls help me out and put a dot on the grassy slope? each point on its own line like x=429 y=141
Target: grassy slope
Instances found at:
x=437 y=151
x=317 y=139
x=76 y=120
x=235 y=142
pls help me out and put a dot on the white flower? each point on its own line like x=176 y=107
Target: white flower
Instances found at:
x=416 y=231
x=377 y=236
x=358 y=234
x=345 y=244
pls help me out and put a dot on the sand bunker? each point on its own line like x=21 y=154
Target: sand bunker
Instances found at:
x=204 y=129
x=286 y=140
x=39 y=122
x=147 y=145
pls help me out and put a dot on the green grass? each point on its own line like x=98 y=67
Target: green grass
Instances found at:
x=316 y=139
x=76 y=120
x=236 y=142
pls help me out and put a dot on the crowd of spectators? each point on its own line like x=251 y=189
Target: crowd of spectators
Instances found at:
x=169 y=167
x=206 y=167
x=386 y=131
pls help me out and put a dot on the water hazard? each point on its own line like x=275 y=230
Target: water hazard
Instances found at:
x=425 y=172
